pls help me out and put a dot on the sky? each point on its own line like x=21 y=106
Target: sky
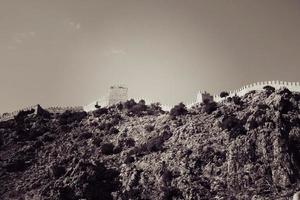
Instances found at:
x=69 y=52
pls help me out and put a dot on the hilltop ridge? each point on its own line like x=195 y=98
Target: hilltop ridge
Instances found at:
x=244 y=147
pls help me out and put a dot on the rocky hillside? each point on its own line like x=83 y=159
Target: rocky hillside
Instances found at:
x=242 y=148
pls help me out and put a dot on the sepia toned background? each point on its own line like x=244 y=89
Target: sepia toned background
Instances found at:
x=68 y=52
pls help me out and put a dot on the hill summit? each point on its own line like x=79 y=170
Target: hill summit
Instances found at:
x=244 y=147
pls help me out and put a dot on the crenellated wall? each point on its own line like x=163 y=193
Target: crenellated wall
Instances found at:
x=6 y=116
x=59 y=109
x=54 y=109
x=292 y=86
x=117 y=94
x=103 y=102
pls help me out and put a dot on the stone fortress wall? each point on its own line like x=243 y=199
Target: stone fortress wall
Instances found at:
x=53 y=109
x=120 y=94
x=117 y=94
x=6 y=116
x=292 y=86
x=102 y=102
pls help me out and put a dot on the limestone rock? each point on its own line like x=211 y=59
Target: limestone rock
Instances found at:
x=241 y=148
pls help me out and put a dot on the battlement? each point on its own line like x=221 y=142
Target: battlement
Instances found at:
x=292 y=86
x=117 y=94
x=54 y=109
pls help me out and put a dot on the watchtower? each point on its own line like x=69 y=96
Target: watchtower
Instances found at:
x=117 y=94
x=204 y=96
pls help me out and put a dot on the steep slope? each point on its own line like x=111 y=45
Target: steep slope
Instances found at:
x=240 y=148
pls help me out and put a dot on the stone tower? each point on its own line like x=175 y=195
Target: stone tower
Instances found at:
x=204 y=96
x=117 y=94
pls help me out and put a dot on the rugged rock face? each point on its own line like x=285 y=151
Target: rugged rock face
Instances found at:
x=241 y=148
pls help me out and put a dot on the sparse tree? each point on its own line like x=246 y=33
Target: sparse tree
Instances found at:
x=269 y=88
x=177 y=110
x=224 y=94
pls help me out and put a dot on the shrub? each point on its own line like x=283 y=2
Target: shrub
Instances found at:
x=138 y=109
x=97 y=141
x=100 y=111
x=269 y=88
x=57 y=171
x=113 y=130
x=23 y=114
x=249 y=93
x=69 y=117
x=233 y=125
x=149 y=128
x=210 y=106
x=237 y=100
x=142 y=102
x=129 y=142
x=284 y=91
x=129 y=104
x=206 y=101
x=105 y=126
x=116 y=119
x=107 y=148
x=135 y=108
x=179 y=109
x=224 y=94
x=155 y=108
x=120 y=106
x=86 y=135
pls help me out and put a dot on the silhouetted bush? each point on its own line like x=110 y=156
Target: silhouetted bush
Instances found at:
x=129 y=104
x=249 y=93
x=16 y=165
x=206 y=101
x=155 y=108
x=134 y=108
x=120 y=106
x=100 y=111
x=105 y=126
x=284 y=91
x=224 y=94
x=113 y=130
x=129 y=159
x=237 y=100
x=149 y=127
x=262 y=106
x=97 y=141
x=233 y=125
x=107 y=148
x=138 y=109
x=116 y=119
x=179 y=109
x=86 y=135
x=23 y=114
x=269 y=88
x=210 y=106
x=142 y=102
x=285 y=105
x=69 y=117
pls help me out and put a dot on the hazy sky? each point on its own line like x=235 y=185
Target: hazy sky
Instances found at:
x=68 y=52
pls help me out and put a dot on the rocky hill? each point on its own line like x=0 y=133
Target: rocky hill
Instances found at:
x=241 y=148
